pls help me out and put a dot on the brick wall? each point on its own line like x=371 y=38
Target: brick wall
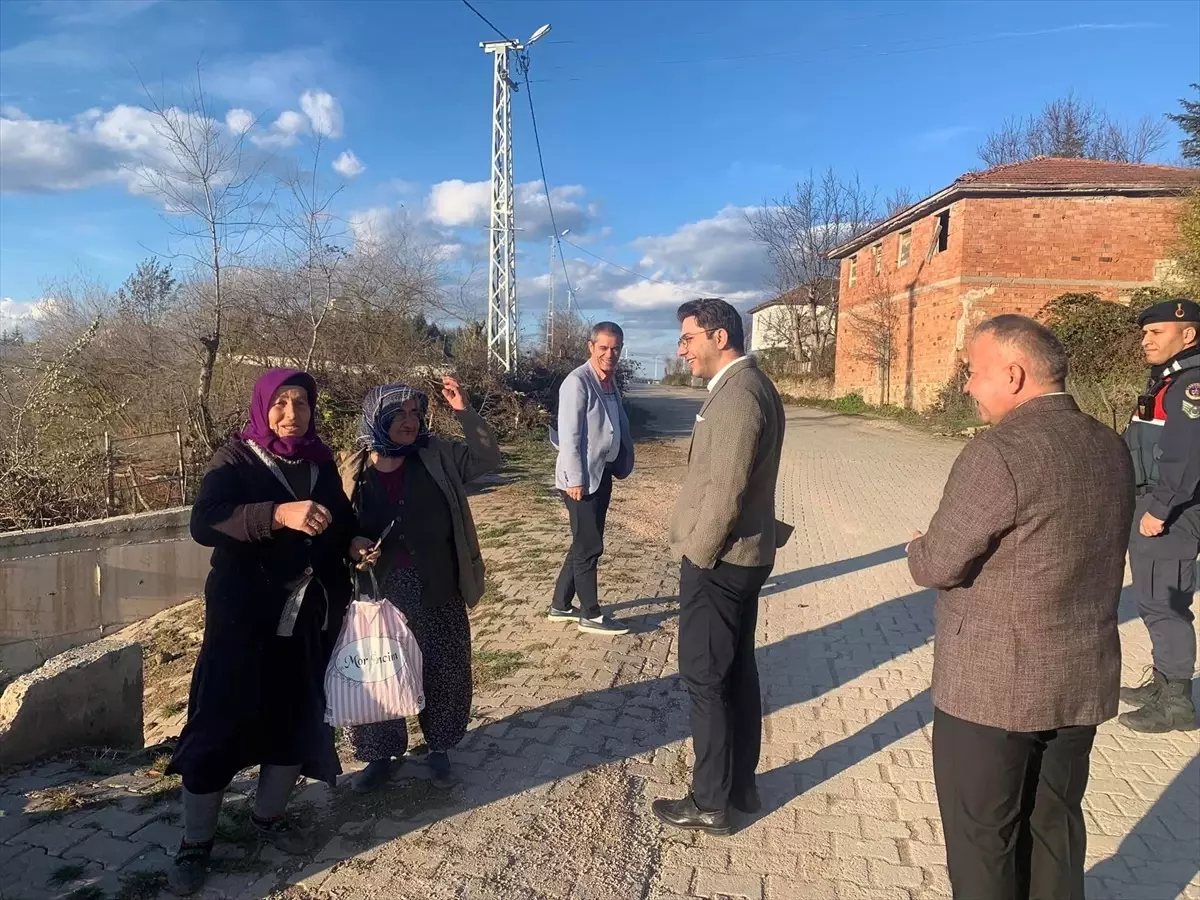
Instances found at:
x=1002 y=255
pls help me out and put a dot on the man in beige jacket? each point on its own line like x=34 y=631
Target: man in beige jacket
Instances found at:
x=724 y=530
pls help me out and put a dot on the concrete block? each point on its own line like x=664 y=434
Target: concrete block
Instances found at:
x=90 y=696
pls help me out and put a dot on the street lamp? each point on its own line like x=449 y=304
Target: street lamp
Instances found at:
x=538 y=35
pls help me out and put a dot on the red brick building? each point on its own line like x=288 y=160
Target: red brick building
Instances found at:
x=1008 y=239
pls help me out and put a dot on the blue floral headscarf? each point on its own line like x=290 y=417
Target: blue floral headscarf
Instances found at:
x=380 y=407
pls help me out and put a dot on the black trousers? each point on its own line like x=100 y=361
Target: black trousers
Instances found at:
x=1164 y=589
x=718 y=612
x=1012 y=809
x=578 y=575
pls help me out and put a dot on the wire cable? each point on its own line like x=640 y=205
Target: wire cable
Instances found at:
x=523 y=59
x=485 y=21
x=609 y=262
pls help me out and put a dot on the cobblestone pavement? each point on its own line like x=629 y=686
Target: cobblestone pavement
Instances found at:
x=573 y=735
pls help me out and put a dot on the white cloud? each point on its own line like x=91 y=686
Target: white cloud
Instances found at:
x=92 y=148
x=270 y=80
x=284 y=131
x=239 y=121
x=467 y=204
x=459 y=204
x=348 y=165
x=324 y=112
x=51 y=156
x=22 y=315
x=712 y=257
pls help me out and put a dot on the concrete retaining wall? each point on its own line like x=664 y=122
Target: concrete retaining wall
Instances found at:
x=65 y=586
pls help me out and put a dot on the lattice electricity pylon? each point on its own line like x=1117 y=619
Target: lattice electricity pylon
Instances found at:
x=502 y=318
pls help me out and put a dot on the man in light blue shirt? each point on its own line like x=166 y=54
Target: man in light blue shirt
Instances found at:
x=594 y=447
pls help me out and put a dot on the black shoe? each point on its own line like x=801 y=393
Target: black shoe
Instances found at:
x=373 y=777
x=602 y=625
x=1152 y=685
x=562 y=615
x=746 y=800
x=686 y=814
x=190 y=869
x=439 y=765
x=1171 y=710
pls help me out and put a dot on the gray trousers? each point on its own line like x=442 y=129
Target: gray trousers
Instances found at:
x=1164 y=590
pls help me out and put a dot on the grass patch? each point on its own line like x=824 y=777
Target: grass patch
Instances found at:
x=166 y=788
x=65 y=875
x=680 y=771
x=951 y=420
x=144 y=885
x=237 y=830
x=63 y=799
x=174 y=708
x=158 y=766
x=490 y=666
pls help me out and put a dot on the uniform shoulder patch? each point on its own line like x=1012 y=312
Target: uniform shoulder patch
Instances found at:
x=1192 y=391
x=1191 y=410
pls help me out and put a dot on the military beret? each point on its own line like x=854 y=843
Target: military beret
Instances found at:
x=1179 y=310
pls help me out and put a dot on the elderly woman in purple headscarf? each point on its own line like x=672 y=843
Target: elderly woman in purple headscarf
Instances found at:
x=409 y=487
x=272 y=508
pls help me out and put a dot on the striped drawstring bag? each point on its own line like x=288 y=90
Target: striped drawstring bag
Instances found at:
x=375 y=672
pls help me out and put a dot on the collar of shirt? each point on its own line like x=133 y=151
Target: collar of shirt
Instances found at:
x=712 y=385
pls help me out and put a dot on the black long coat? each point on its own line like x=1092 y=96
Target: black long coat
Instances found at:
x=256 y=697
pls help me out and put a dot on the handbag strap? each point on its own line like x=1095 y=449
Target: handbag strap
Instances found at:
x=267 y=460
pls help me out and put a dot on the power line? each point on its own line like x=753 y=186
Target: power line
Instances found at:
x=485 y=21
x=537 y=140
x=599 y=72
x=609 y=262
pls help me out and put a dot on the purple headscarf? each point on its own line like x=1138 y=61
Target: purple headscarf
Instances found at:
x=308 y=446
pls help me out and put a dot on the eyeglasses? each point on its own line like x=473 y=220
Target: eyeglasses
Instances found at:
x=686 y=339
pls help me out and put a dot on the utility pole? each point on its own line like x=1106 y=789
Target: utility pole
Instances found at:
x=502 y=239
x=555 y=245
x=550 y=306
x=503 y=316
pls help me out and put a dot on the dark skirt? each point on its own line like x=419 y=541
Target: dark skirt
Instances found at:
x=443 y=632
x=260 y=702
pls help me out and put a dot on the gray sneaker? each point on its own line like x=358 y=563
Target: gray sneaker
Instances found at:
x=602 y=625
x=562 y=615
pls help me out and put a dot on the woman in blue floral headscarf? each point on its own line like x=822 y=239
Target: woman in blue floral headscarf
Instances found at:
x=408 y=485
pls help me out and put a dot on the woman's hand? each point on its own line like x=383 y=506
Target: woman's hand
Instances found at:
x=301 y=515
x=454 y=394
x=364 y=552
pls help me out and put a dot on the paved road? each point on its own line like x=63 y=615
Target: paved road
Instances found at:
x=670 y=412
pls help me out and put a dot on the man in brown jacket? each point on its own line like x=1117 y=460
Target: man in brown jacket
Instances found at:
x=1027 y=549
x=724 y=530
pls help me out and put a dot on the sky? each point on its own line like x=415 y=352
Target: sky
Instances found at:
x=661 y=123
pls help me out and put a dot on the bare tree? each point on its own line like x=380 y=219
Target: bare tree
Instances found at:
x=798 y=231
x=313 y=242
x=1071 y=127
x=899 y=200
x=876 y=326
x=215 y=202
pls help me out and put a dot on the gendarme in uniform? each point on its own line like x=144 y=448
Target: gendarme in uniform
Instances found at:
x=1164 y=438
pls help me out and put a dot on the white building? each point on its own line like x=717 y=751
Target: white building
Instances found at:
x=792 y=323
